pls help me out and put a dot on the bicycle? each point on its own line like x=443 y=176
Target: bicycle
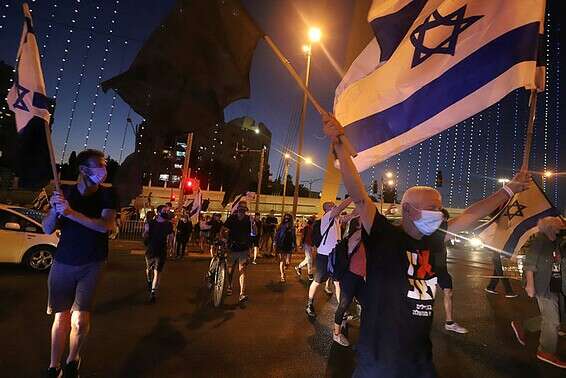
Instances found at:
x=217 y=273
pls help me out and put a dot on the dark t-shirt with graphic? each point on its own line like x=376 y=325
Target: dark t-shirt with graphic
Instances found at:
x=399 y=295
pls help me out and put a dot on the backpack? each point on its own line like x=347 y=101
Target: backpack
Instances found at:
x=317 y=236
x=284 y=239
x=339 y=259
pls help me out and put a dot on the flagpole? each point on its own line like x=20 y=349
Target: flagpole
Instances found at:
x=530 y=130
x=301 y=84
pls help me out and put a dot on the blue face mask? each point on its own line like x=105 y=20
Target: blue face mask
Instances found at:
x=429 y=221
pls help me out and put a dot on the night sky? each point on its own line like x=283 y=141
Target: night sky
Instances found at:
x=121 y=28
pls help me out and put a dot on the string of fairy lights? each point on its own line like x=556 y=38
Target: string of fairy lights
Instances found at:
x=496 y=144
x=67 y=47
x=3 y=16
x=453 y=170
x=546 y=100
x=100 y=73
x=49 y=32
x=113 y=105
x=486 y=160
x=82 y=76
x=469 y=164
x=557 y=112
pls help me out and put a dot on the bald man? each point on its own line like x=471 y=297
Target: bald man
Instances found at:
x=401 y=282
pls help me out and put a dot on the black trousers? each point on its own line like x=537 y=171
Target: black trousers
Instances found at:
x=181 y=246
x=498 y=271
x=350 y=286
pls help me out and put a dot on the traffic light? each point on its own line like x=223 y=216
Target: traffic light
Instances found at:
x=438 y=181
x=189 y=186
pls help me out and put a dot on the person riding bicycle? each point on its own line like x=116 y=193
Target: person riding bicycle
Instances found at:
x=239 y=244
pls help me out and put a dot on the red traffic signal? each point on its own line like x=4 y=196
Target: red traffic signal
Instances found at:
x=189 y=186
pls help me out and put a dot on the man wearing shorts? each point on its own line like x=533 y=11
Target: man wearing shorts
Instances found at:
x=239 y=244
x=85 y=213
x=159 y=234
x=330 y=230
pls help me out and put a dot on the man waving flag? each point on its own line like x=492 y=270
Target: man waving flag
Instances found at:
x=28 y=101
x=432 y=64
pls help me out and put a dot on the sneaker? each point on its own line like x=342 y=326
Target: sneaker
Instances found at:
x=298 y=271
x=54 y=372
x=455 y=327
x=519 y=333
x=243 y=298
x=551 y=359
x=283 y=279
x=228 y=291
x=311 y=277
x=310 y=311
x=253 y=262
x=341 y=339
x=328 y=291
x=491 y=291
x=511 y=295
x=71 y=369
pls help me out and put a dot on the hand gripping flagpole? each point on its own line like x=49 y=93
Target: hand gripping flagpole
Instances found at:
x=342 y=139
x=56 y=181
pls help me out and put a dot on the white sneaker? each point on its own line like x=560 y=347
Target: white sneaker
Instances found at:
x=340 y=339
x=455 y=327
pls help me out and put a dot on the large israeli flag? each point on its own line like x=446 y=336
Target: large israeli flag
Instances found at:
x=432 y=64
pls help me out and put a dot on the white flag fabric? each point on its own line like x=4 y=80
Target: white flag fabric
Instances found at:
x=508 y=231
x=194 y=206
x=27 y=97
x=249 y=197
x=431 y=65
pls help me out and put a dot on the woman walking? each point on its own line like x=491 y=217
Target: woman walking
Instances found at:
x=285 y=243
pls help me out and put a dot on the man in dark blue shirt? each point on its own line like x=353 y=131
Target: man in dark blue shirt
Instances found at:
x=85 y=213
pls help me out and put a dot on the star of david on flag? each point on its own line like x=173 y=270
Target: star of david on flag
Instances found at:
x=508 y=231
x=27 y=99
x=432 y=64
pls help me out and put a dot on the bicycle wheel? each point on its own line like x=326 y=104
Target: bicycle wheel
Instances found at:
x=211 y=272
x=219 y=282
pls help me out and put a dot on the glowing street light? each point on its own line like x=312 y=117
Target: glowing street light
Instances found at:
x=256 y=131
x=307 y=49
x=287 y=156
x=314 y=34
x=390 y=182
x=503 y=180
x=548 y=174
x=308 y=160
x=389 y=175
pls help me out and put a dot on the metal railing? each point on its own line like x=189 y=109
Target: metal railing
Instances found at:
x=131 y=230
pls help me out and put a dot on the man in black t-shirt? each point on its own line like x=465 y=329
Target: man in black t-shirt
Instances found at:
x=159 y=234
x=401 y=282
x=85 y=213
x=239 y=244
x=269 y=227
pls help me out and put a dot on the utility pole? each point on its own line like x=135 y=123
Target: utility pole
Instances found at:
x=285 y=174
x=186 y=170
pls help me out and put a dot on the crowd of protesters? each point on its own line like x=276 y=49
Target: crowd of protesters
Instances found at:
x=389 y=271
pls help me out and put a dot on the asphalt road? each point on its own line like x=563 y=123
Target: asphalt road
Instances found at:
x=182 y=336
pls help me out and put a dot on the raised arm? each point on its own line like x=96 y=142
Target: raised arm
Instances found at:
x=350 y=176
x=340 y=208
x=488 y=205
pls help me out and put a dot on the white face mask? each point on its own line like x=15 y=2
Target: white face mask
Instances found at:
x=429 y=221
x=97 y=175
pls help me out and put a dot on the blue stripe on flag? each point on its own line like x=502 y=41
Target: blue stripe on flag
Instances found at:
x=466 y=77
x=522 y=227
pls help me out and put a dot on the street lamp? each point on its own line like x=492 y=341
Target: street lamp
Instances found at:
x=308 y=161
x=548 y=174
x=314 y=35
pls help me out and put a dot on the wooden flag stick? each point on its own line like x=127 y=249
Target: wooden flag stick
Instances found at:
x=301 y=84
x=530 y=128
